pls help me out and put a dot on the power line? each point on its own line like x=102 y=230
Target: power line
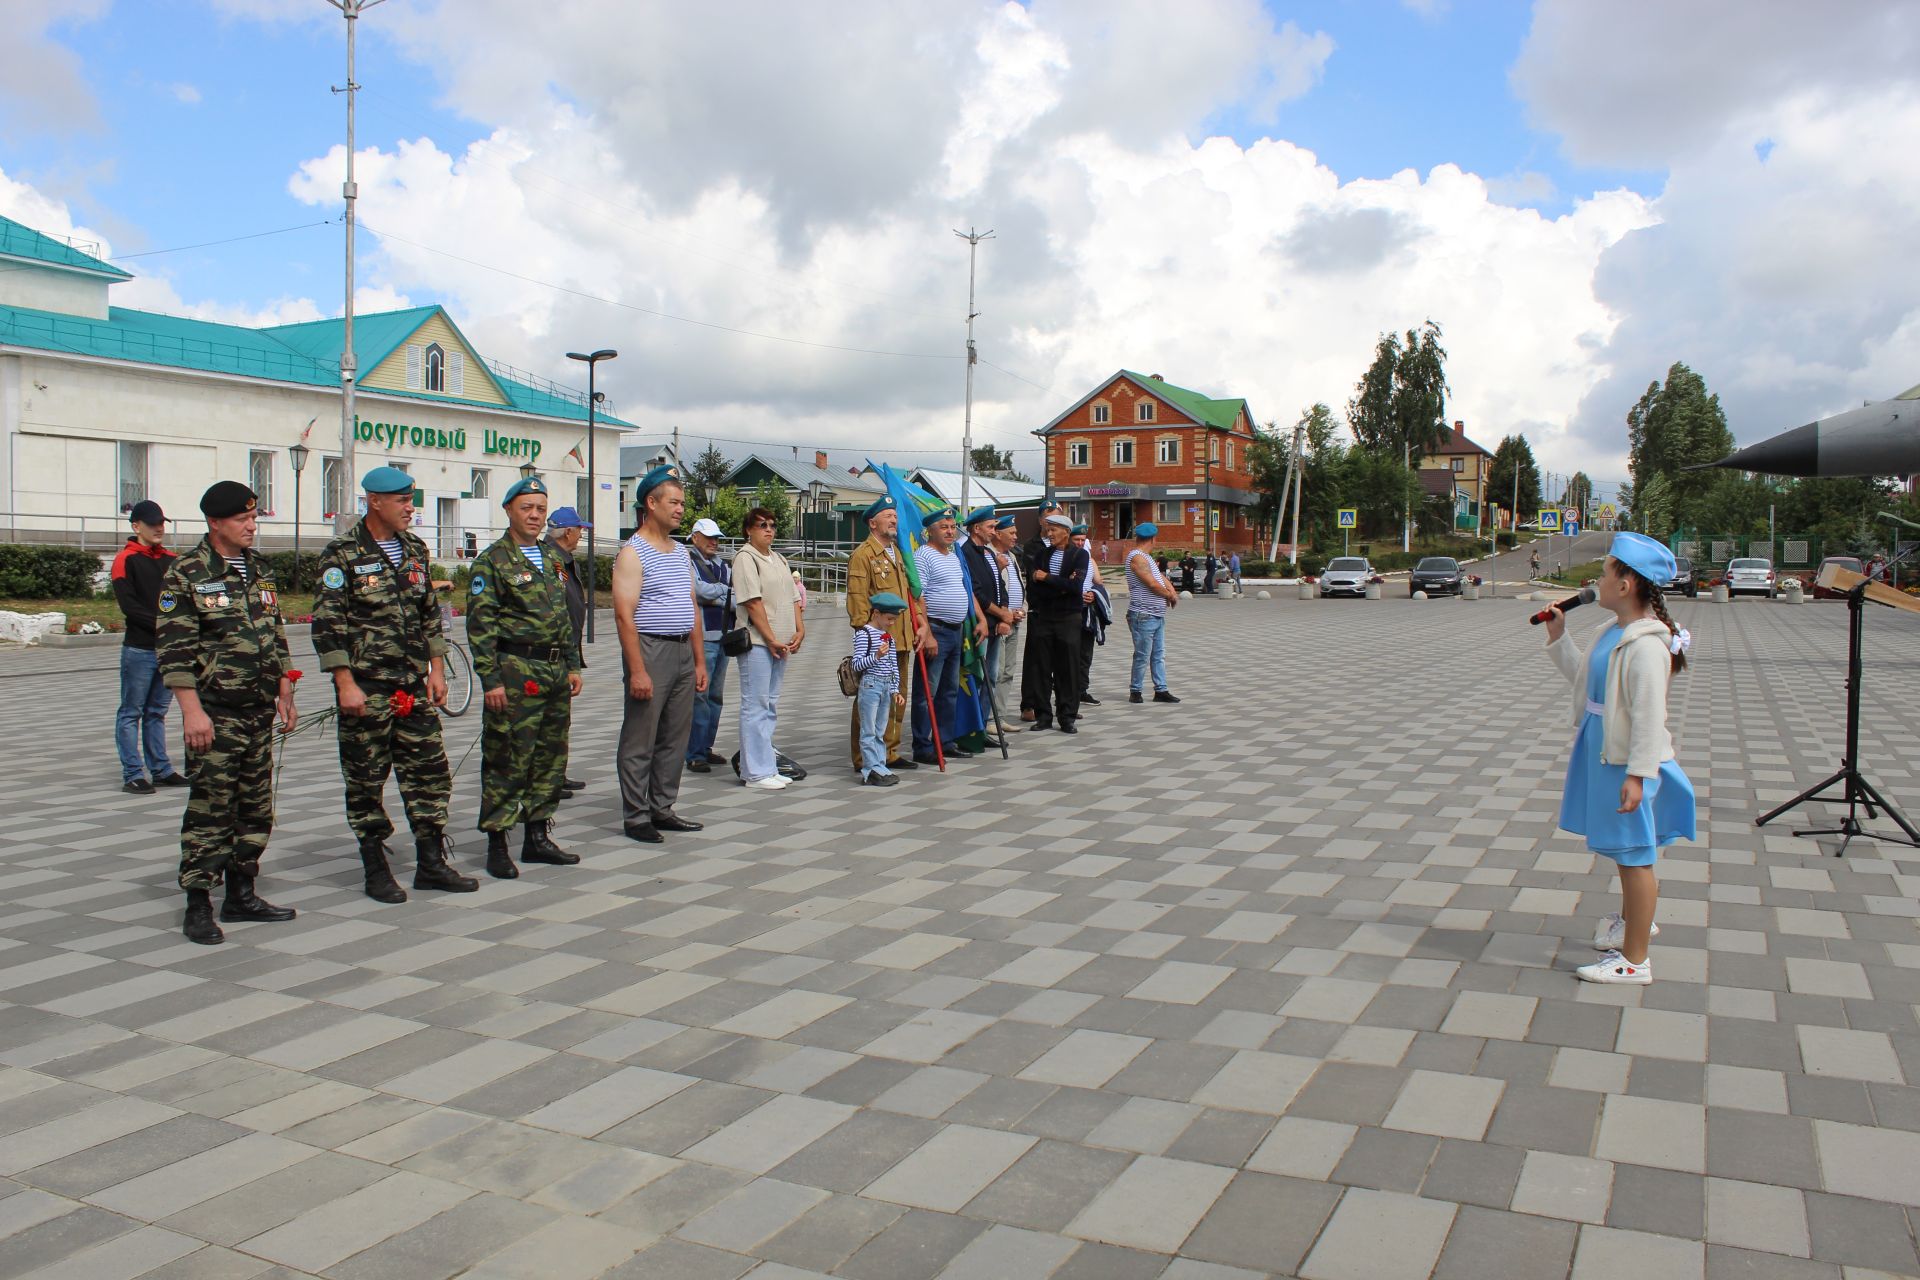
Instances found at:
x=182 y=248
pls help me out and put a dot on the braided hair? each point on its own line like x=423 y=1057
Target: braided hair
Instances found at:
x=1655 y=600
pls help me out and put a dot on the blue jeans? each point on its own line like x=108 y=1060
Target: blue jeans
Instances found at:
x=707 y=705
x=761 y=676
x=875 y=701
x=140 y=728
x=1149 y=647
x=943 y=678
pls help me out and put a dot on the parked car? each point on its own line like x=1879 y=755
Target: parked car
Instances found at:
x=1683 y=578
x=1346 y=576
x=1437 y=575
x=1750 y=573
x=1828 y=593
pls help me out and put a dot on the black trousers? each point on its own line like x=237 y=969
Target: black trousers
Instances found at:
x=1086 y=661
x=1054 y=647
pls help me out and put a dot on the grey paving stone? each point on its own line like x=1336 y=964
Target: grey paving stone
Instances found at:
x=1485 y=1242
x=918 y=1246
x=1264 y=1223
x=679 y=1260
x=1378 y=1235
x=1473 y=1173
x=1048 y=1186
x=448 y=1243
x=1657 y=1200
x=1386 y=1160
x=831 y=1232
x=1860 y=1233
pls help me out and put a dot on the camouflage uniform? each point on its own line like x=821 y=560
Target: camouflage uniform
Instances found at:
x=383 y=622
x=519 y=630
x=219 y=634
x=875 y=567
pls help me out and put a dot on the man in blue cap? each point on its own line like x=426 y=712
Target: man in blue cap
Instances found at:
x=376 y=628
x=564 y=530
x=525 y=658
x=874 y=568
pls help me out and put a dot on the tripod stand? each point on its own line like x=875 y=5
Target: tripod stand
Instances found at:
x=1859 y=792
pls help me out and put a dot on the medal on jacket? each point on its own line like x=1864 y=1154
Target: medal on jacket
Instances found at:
x=222 y=600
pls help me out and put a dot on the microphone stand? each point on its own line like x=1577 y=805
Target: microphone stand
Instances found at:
x=1859 y=793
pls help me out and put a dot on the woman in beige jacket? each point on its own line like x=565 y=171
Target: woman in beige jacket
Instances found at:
x=1624 y=792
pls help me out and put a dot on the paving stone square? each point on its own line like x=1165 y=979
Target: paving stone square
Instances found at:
x=1275 y=982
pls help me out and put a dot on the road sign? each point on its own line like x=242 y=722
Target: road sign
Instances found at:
x=1349 y=517
x=1572 y=525
x=1607 y=511
x=1550 y=520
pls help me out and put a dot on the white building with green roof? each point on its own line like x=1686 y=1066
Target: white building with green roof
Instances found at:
x=102 y=406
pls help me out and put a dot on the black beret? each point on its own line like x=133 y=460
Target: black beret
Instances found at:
x=227 y=498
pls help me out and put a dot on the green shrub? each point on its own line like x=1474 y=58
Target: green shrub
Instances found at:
x=47 y=573
x=281 y=562
x=1312 y=565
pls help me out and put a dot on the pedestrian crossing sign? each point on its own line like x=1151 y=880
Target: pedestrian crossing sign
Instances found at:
x=1349 y=517
x=1550 y=520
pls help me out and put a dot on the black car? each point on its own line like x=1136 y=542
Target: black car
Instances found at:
x=1683 y=578
x=1437 y=575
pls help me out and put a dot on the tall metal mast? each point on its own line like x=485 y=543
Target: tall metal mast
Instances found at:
x=349 y=369
x=973 y=239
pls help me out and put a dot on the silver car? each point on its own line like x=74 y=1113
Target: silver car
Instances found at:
x=1346 y=576
x=1751 y=574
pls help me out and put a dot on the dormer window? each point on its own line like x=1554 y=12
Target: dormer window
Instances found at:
x=436 y=367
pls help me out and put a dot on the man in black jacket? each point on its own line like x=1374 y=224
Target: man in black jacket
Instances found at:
x=1055 y=582
x=989 y=597
x=1036 y=547
x=140 y=729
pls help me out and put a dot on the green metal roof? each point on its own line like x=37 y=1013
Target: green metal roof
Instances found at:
x=147 y=337
x=1214 y=413
x=18 y=240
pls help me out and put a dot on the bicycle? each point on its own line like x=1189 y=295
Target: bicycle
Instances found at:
x=458 y=666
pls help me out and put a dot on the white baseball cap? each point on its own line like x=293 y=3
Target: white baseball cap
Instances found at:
x=706 y=526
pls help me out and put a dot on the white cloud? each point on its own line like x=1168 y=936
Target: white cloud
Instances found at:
x=41 y=82
x=183 y=92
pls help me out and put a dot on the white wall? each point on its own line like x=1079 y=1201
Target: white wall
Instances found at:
x=47 y=289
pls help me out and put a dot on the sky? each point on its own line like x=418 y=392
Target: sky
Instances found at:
x=755 y=202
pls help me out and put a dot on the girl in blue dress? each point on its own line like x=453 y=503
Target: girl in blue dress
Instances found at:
x=1624 y=792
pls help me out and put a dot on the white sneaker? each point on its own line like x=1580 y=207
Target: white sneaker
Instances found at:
x=1611 y=932
x=1613 y=967
x=772 y=782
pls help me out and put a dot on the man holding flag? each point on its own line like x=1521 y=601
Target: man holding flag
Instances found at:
x=875 y=568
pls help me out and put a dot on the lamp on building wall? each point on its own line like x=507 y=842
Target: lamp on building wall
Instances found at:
x=591 y=360
x=526 y=471
x=298 y=453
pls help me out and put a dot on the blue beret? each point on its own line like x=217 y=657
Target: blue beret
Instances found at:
x=1645 y=556
x=1005 y=522
x=1146 y=530
x=653 y=480
x=978 y=514
x=885 y=504
x=934 y=517
x=566 y=518
x=887 y=602
x=387 y=480
x=532 y=484
x=1079 y=528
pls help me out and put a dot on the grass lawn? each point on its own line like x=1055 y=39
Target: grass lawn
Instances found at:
x=1576 y=574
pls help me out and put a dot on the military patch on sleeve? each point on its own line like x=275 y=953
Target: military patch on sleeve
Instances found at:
x=166 y=602
x=333 y=579
x=479 y=584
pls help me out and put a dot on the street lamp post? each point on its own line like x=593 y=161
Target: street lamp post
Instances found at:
x=298 y=452
x=591 y=360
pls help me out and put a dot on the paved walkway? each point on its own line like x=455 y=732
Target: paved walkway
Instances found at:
x=1272 y=982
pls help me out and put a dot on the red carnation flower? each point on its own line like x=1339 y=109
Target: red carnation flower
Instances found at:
x=532 y=687
x=401 y=702
x=293 y=677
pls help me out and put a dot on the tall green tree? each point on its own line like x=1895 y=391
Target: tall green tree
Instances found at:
x=769 y=494
x=706 y=476
x=1653 y=507
x=726 y=506
x=1400 y=403
x=1578 y=491
x=989 y=461
x=1321 y=456
x=1676 y=425
x=1514 y=455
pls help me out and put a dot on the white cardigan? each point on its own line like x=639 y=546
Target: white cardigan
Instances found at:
x=1635 y=720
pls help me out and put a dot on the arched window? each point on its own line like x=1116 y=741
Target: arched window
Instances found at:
x=436 y=368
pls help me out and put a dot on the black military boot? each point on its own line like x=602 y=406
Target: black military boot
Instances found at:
x=242 y=904
x=499 y=861
x=381 y=886
x=431 y=870
x=539 y=847
x=199 y=926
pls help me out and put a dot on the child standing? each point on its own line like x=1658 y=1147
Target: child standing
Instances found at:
x=1624 y=792
x=879 y=672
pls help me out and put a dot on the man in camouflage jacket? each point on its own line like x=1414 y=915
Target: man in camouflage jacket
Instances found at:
x=376 y=628
x=528 y=663
x=223 y=652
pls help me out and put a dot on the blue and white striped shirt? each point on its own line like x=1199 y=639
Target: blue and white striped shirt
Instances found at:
x=392 y=548
x=940 y=580
x=666 y=590
x=875 y=669
x=535 y=555
x=1141 y=597
x=1010 y=574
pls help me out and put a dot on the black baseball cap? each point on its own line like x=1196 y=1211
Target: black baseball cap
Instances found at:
x=147 y=511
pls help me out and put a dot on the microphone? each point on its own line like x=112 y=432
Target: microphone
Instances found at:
x=1586 y=596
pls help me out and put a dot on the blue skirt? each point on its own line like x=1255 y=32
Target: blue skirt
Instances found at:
x=1590 y=802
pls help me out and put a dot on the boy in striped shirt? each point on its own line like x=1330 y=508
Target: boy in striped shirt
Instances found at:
x=874 y=663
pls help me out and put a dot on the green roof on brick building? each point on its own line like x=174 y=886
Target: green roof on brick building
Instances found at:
x=1214 y=413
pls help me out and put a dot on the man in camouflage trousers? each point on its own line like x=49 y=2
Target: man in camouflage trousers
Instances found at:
x=223 y=652
x=527 y=661
x=376 y=627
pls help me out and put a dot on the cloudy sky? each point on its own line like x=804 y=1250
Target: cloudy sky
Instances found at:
x=755 y=202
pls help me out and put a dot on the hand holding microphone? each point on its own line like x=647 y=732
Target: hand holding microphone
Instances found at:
x=1586 y=596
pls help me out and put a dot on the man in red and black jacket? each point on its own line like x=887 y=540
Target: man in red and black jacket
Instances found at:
x=141 y=727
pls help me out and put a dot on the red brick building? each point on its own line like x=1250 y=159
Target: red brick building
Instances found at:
x=1137 y=449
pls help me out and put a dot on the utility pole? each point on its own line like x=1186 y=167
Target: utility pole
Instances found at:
x=349 y=367
x=1299 y=484
x=592 y=360
x=1286 y=492
x=1406 y=521
x=973 y=239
